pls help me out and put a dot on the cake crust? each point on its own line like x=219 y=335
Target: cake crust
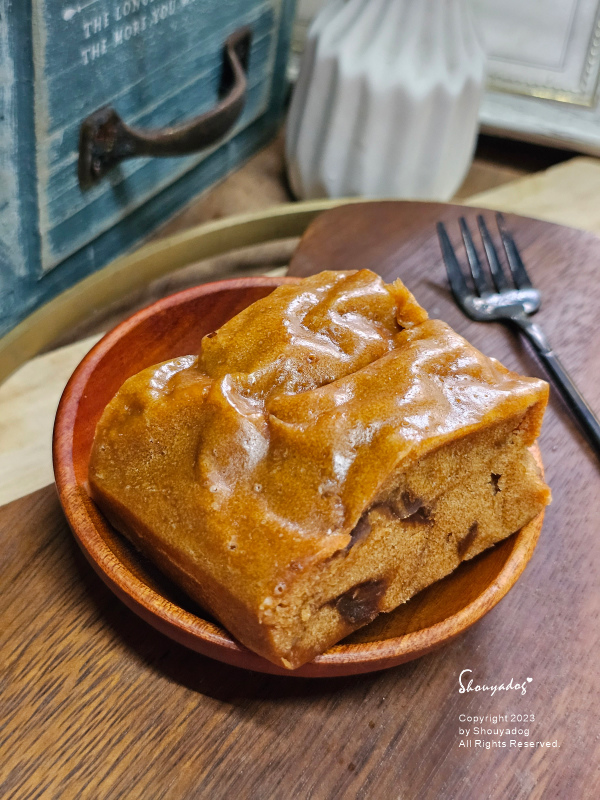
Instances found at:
x=330 y=452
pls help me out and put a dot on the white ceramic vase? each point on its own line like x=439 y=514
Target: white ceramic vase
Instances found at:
x=387 y=100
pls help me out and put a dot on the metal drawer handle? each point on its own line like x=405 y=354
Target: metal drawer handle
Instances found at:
x=105 y=140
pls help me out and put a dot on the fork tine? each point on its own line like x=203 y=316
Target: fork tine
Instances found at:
x=519 y=273
x=455 y=276
x=480 y=279
x=492 y=256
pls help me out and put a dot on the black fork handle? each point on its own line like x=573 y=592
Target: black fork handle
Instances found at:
x=588 y=421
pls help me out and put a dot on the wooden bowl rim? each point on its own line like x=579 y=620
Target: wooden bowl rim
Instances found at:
x=200 y=634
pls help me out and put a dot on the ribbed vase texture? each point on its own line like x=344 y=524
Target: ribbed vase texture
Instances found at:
x=387 y=100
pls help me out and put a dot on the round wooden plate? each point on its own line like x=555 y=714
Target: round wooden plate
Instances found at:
x=172 y=327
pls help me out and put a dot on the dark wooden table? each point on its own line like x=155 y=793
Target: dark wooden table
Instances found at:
x=96 y=704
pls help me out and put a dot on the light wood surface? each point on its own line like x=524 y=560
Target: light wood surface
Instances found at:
x=566 y=193
x=28 y=403
x=97 y=704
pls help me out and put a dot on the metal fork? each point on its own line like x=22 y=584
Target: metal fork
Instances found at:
x=496 y=298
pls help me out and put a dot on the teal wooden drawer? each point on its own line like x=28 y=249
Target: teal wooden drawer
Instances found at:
x=157 y=63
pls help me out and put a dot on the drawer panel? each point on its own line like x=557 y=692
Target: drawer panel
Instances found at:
x=157 y=62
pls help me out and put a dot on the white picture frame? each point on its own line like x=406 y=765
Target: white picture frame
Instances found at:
x=543 y=71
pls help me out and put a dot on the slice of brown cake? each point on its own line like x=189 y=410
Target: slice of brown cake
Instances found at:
x=330 y=452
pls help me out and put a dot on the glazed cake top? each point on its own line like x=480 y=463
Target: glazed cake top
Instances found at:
x=259 y=455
